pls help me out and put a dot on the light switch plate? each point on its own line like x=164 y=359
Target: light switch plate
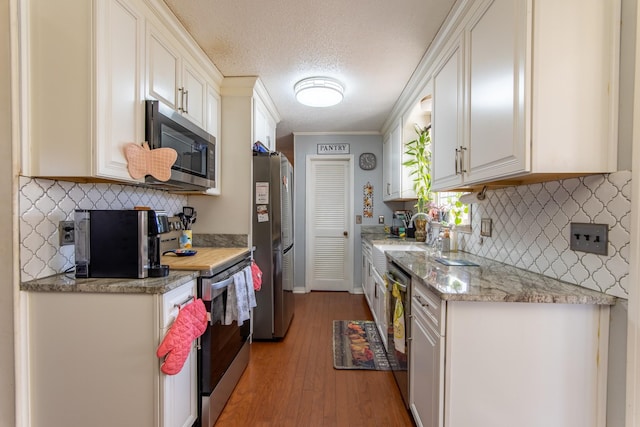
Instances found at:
x=485 y=227
x=591 y=238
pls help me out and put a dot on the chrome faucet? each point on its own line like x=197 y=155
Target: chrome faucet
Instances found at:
x=430 y=238
x=420 y=214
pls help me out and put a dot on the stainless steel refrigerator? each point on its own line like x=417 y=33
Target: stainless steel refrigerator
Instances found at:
x=273 y=239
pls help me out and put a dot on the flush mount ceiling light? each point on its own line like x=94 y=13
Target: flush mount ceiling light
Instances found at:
x=319 y=91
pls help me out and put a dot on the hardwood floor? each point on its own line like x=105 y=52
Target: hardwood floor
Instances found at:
x=293 y=383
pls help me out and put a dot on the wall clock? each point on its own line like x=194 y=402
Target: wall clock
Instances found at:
x=367 y=161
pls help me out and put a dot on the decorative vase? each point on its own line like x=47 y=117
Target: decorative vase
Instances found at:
x=421 y=229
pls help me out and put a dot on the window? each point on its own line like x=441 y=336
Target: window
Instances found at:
x=447 y=209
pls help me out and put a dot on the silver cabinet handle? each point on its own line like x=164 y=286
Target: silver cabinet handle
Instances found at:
x=462 y=150
x=388 y=188
x=181 y=104
x=186 y=104
x=456 y=160
x=421 y=302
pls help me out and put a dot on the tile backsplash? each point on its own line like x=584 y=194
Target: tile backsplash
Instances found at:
x=531 y=229
x=44 y=203
x=530 y=225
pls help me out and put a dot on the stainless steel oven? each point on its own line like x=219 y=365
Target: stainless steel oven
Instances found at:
x=398 y=347
x=224 y=349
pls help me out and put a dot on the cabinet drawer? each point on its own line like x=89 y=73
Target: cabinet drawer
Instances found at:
x=429 y=306
x=173 y=300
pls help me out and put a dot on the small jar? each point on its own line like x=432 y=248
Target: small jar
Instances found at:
x=186 y=239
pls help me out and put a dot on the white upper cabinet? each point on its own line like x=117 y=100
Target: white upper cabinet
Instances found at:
x=87 y=68
x=163 y=68
x=398 y=179
x=540 y=93
x=495 y=143
x=212 y=125
x=386 y=167
x=264 y=125
x=82 y=66
x=392 y=153
x=172 y=77
x=446 y=131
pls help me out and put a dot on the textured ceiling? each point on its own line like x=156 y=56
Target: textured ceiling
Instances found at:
x=372 y=46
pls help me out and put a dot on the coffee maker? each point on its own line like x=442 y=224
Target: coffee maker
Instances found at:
x=119 y=243
x=158 y=224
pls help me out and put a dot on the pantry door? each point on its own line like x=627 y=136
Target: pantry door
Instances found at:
x=329 y=234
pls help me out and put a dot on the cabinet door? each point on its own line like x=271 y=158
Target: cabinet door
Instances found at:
x=386 y=167
x=447 y=120
x=382 y=310
x=496 y=136
x=163 y=68
x=259 y=124
x=194 y=90
x=179 y=393
x=425 y=373
x=119 y=92
x=396 y=160
x=212 y=124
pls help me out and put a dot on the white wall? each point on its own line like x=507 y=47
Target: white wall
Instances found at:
x=229 y=213
x=306 y=144
x=7 y=255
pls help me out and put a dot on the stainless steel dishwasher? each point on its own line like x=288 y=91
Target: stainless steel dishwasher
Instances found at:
x=398 y=335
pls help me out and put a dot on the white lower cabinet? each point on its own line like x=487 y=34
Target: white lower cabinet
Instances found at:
x=426 y=381
x=502 y=364
x=368 y=282
x=92 y=360
x=380 y=304
x=179 y=392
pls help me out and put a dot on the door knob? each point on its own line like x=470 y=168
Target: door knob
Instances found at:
x=345 y=233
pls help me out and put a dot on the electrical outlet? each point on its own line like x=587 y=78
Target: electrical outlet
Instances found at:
x=66 y=232
x=381 y=219
x=592 y=238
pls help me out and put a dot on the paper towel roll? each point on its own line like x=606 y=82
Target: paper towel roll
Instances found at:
x=470 y=198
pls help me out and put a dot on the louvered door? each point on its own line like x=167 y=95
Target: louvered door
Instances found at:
x=329 y=237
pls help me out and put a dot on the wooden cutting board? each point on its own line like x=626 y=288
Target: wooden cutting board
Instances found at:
x=205 y=259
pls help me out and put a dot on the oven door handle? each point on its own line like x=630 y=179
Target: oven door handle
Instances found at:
x=392 y=281
x=207 y=290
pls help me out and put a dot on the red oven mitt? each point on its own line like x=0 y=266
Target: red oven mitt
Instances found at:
x=176 y=345
x=256 y=274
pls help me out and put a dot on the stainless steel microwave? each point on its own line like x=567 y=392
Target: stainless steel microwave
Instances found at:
x=195 y=167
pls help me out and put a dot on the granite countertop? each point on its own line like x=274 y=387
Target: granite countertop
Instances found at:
x=181 y=271
x=490 y=281
x=69 y=283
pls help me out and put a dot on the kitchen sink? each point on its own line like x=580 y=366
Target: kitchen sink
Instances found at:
x=379 y=249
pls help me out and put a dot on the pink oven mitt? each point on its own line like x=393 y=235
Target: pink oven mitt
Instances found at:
x=141 y=161
x=176 y=345
x=256 y=274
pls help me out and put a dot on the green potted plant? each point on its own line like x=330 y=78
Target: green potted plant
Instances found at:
x=418 y=152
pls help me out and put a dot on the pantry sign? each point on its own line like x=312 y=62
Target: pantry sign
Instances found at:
x=333 y=148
